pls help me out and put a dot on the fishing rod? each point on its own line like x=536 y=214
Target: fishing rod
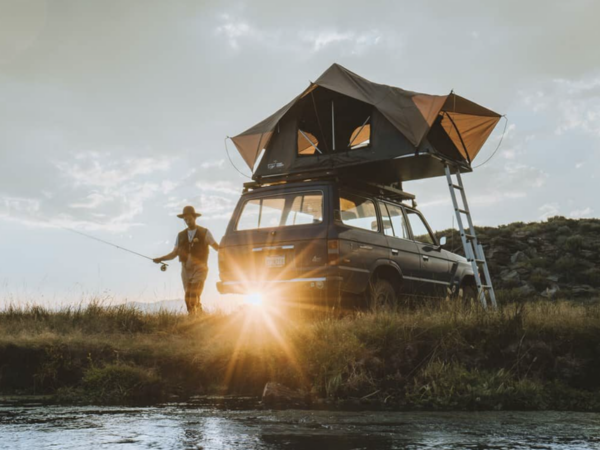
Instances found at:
x=163 y=266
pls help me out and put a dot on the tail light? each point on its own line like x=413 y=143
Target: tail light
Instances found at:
x=333 y=252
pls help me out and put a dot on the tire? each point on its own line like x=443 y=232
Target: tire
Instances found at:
x=382 y=296
x=469 y=295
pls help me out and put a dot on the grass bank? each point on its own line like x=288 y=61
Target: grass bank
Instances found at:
x=536 y=355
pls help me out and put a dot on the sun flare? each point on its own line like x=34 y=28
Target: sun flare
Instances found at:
x=254 y=299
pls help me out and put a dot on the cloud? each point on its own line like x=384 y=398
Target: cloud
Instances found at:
x=579 y=213
x=102 y=170
x=572 y=104
x=212 y=164
x=548 y=210
x=234 y=29
x=98 y=192
x=239 y=31
x=223 y=187
x=356 y=42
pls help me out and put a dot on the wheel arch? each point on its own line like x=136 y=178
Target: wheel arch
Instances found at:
x=388 y=270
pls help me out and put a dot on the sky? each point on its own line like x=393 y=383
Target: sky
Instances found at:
x=113 y=116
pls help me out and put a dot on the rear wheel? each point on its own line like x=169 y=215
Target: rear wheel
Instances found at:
x=382 y=296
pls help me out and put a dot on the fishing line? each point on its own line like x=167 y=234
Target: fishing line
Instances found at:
x=499 y=143
x=231 y=161
x=163 y=266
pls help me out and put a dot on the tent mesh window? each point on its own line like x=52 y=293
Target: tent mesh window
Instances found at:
x=329 y=122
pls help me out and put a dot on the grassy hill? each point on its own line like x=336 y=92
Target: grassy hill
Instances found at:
x=559 y=258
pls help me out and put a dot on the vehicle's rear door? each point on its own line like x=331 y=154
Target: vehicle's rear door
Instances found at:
x=361 y=241
x=402 y=249
x=435 y=265
x=276 y=236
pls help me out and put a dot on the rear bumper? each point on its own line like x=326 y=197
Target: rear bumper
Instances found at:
x=324 y=285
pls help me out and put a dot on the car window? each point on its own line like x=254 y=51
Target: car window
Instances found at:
x=398 y=221
x=358 y=212
x=282 y=211
x=305 y=209
x=387 y=221
x=420 y=231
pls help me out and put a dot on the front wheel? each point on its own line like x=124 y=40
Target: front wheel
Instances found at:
x=382 y=296
x=469 y=295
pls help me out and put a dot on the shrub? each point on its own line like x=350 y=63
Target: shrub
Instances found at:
x=592 y=276
x=122 y=383
x=574 y=243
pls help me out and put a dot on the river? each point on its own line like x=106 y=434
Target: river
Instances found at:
x=188 y=426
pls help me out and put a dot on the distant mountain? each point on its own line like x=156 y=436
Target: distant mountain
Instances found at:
x=177 y=306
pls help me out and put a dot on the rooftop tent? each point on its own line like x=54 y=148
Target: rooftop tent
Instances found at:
x=343 y=121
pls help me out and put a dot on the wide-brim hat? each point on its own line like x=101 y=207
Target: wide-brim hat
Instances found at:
x=188 y=211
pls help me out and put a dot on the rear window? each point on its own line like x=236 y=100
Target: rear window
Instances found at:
x=302 y=208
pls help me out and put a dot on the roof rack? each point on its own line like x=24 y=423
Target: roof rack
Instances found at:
x=392 y=191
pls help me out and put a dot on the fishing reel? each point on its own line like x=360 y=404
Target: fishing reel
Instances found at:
x=163 y=267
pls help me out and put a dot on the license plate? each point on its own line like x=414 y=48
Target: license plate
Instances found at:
x=275 y=261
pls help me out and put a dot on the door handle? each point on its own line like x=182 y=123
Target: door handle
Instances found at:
x=425 y=258
x=366 y=247
x=395 y=252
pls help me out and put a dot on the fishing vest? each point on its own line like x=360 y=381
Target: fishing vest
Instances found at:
x=198 y=250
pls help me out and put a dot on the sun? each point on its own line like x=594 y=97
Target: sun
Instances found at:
x=254 y=299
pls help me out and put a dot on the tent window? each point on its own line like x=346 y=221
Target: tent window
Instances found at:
x=361 y=137
x=308 y=144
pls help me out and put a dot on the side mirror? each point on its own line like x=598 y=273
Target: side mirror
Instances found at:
x=442 y=241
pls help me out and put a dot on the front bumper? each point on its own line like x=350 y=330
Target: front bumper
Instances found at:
x=295 y=286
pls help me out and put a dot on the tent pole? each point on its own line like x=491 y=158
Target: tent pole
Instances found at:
x=333 y=125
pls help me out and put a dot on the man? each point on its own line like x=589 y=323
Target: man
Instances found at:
x=191 y=246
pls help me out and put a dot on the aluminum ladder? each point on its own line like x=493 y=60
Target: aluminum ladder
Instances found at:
x=473 y=249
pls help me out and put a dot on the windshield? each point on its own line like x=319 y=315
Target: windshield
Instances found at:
x=302 y=208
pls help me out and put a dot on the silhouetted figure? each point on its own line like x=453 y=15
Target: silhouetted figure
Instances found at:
x=191 y=246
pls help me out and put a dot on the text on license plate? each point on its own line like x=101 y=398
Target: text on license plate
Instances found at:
x=275 y=261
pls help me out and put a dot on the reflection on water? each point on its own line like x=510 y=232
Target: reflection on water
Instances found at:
x=193 y=427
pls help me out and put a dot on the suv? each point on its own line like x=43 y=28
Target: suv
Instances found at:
x=332 y=240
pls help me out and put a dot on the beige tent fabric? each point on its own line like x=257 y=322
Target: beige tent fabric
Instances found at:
x=474 y=131
x=413 y=114
x=360 y=135
x=429 y=106
x=305 y=147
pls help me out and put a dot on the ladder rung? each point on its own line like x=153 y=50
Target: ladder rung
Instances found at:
x=456 y=186
x=485 y=286
x=464 y=211
x=480 y=261
x=470 y=236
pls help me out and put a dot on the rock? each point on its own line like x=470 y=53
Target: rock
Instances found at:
x=549 y=293
x=583 y=290
x=522 y=269
x=499 y=255
x=518 y=257
x=511 y=275
x=526 y=289
x=276 y=395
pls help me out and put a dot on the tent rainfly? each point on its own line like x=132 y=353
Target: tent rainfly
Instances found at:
x=345 y=122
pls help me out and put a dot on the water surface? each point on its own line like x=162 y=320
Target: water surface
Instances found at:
x=205 y=427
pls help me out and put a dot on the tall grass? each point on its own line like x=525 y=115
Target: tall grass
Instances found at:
x=441 y=355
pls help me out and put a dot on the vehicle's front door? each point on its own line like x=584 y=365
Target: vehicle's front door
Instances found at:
x=402 y=250
x=435 y=265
